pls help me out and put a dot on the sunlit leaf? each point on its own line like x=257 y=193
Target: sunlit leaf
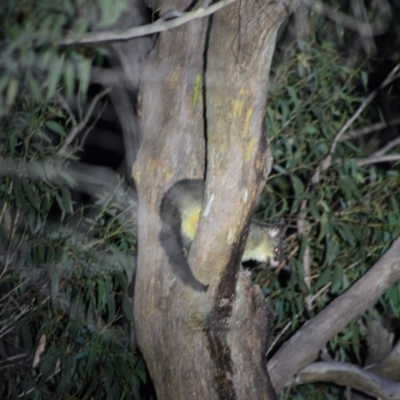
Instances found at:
x=30 y=195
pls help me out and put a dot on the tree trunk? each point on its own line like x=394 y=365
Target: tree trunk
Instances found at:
x=205 y=83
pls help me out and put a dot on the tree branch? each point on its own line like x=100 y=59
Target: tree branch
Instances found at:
x=389 y=146
x=346 y=374
x=369 y=129
x=67 y=108
x=158 y=26
x=375 y=160
x=82 y=123
x=304 y=346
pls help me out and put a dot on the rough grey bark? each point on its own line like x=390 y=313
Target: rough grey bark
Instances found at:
x=206 y=83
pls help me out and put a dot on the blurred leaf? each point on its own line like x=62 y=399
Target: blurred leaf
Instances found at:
x=324 y=278
x=337 y=279
x=34 y=87
x=55 y=279
x=314 y=208
x=111 y=11
x=66 y=199
x=69 y=78
x=310 y=129
x=54 y=75
x=364 y=79
x=297 y=186
x=47 y=368
x=29 y=194
x=56 y=127
x=101 y=295
x=293 y=96
x=68 y=365
x=325 y=229
x=26 y=336
x=12 y=91
x=127 y=306
x=110 y=308
x=330 y=251
x=84 y=67
x=140 y=371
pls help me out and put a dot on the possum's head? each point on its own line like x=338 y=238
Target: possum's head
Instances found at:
x=264 y=243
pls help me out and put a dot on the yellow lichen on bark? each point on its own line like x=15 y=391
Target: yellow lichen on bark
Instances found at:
x=237 y=108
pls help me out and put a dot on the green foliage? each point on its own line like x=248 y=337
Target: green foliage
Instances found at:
x=65 y=274
x=66 y=269
x=307 y=392
x=350 y=214
x=32 y=61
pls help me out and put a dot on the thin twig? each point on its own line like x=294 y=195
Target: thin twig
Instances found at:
x=67 y=108
x=369 y=129
x=84 y=122
x=327 y=161
x=384 y=150
x=26 y=392
x=90 y=128
x=13 y=318
x=144 y=30
x=9 y=359
x=8 y=260
x=375 y=160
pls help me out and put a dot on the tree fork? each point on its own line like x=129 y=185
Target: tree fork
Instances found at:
x=205 y=345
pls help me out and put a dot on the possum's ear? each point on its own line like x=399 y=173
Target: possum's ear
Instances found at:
x=277 y=230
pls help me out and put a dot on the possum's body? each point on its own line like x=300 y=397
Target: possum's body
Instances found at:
x=180 y=213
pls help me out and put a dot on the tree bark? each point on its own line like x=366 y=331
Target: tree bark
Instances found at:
x=206 y=83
